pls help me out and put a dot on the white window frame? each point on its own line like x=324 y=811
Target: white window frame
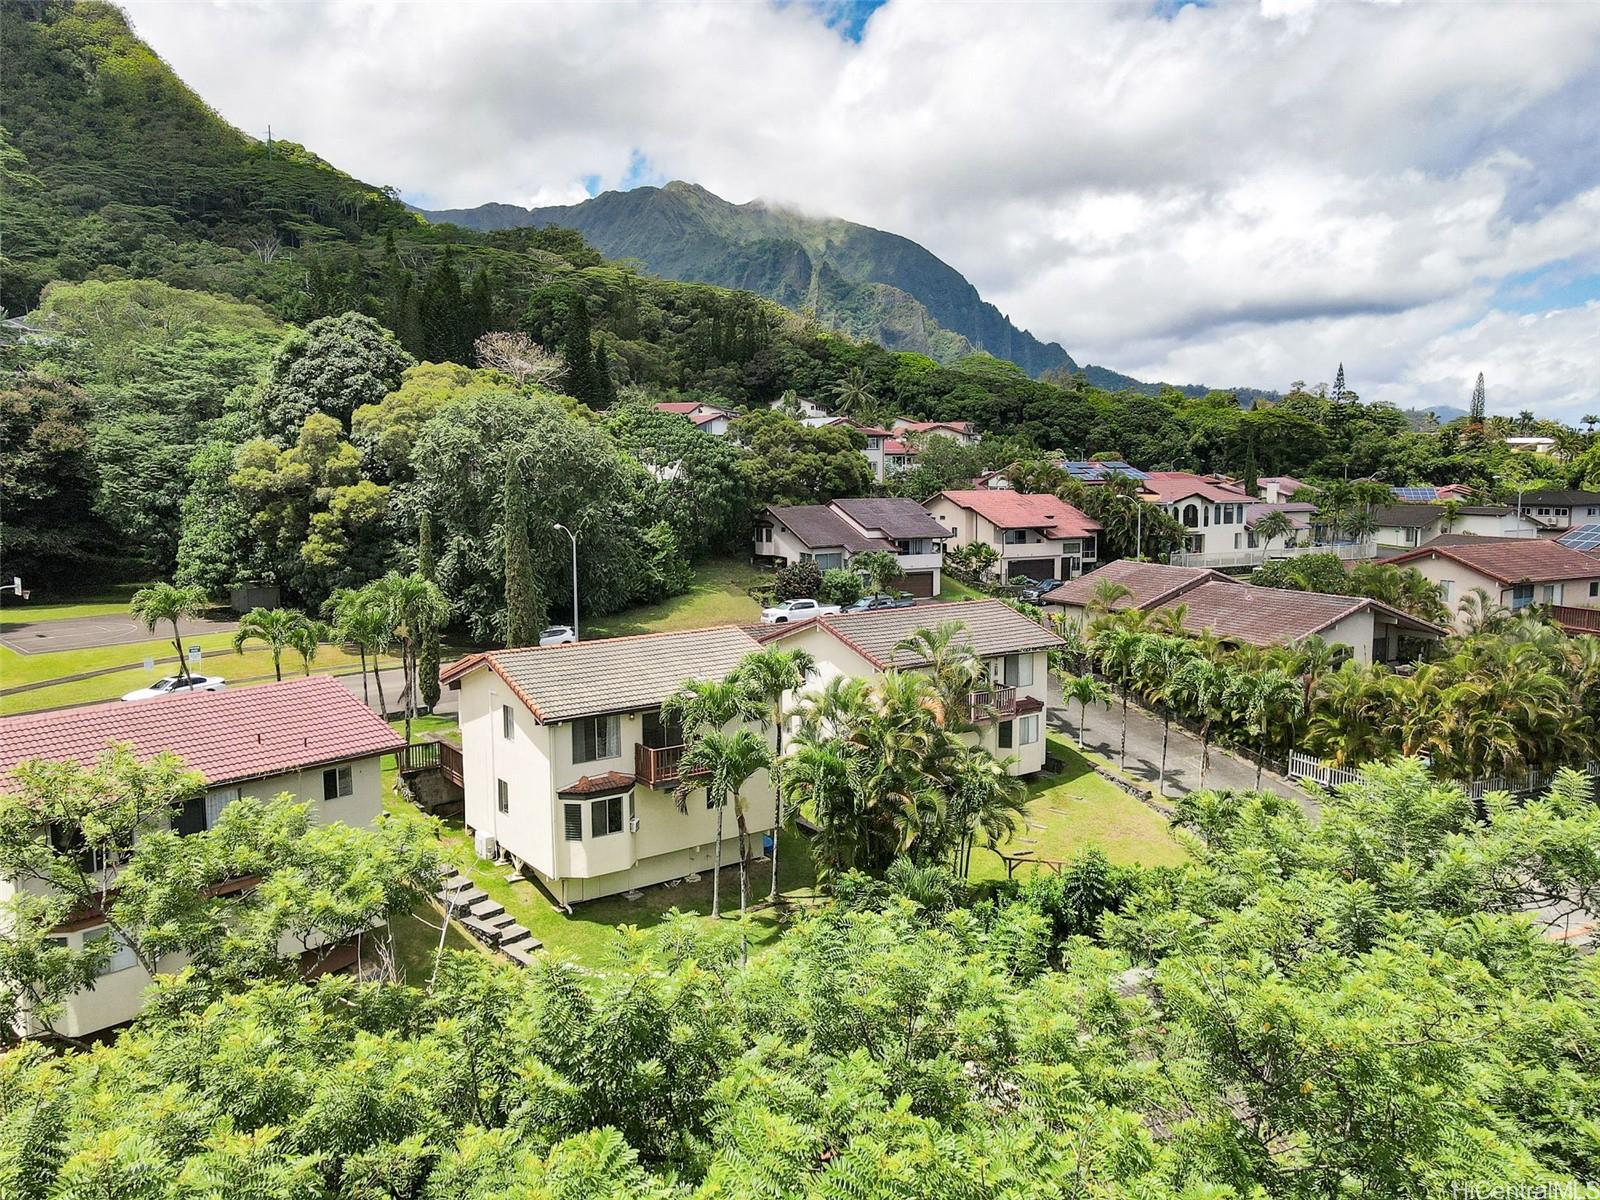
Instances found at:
x=122 y=955
x=508 y=723
x=344 y=782
x=601 y=806
x=1028 y=729
x=218 y=799
x=607 y=744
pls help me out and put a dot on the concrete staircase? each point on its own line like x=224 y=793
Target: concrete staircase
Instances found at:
x=486 y=919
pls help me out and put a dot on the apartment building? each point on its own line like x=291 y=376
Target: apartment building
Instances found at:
x=310 y=738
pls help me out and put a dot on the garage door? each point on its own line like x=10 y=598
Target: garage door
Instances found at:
x=1037 y=569
x=918 y=583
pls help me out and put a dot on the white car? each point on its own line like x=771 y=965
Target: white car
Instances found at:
x=177 y=685
x=557 y=635
x=795 y=610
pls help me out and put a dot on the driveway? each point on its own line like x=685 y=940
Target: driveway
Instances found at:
x=1103 y=734
x=85 y=633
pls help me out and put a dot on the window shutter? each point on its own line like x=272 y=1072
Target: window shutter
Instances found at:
x=573 y=815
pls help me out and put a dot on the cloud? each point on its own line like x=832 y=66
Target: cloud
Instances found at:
x=1243 y=194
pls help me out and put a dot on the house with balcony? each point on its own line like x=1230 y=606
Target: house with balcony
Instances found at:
x=570 y=767
x=1211 y=510
x=832 y=534
x=1037 y=536
x=1007 y=705
x=311 y=739
x=1515 y=572
x=1561 y=509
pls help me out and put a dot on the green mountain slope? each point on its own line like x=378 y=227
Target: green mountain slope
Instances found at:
x=856 y=279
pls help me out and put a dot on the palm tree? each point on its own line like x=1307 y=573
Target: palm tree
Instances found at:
x=1311 y=658
x=1114 y=648
x=279 y=628
x=357 y=619
x=881 y=568
x=1106 y=595
x=1272 y=700
x=701 y=708
x=1085 y=690
x=821 y=773
x=1480 y=612
x=1449 y=514
x=1274 y=524
x=164 y=602
x=985 y=796
x=1351 y=715
x=852 y=393
x=308 y=641
x=415 y=609
x=769 y=675
x=722 y=763
x=954 y=667
x=1202 y=687
x=1157 y=666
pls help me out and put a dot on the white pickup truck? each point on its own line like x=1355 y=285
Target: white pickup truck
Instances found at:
x=795 y=610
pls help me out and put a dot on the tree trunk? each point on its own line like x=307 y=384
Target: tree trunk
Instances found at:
x=1161 y=780
x=1261 y=755
x=744 y=851
x=366 y=696
x=377 y=679
x=183 y=660
x=1124 y=729
x=716 y=866
x=1205 y=752
x=409 y=666
x=777 y=803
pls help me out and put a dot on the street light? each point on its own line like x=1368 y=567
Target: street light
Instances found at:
x=574 y=537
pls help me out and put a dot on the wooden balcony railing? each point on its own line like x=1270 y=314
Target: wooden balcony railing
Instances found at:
x=450 y=763
x=656 y=766
x=995 y=703
x=1576 y=620
x=425 y=755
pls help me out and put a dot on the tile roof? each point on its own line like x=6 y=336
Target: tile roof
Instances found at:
x=1523 y=560
x=1298 y=512
x=590 y=785
x=1561 y=497
x=991 y=628
x=1172 y=486
x=896 y=446
x=1418 y=516
x=1006 y=509
x=1286 y=483
x=892 y=516
x=1150 y=583
x=964 y=427
x=818 y=526
x=1262 y=616
x=624 y=674
x=682 y=407
x=228 y=736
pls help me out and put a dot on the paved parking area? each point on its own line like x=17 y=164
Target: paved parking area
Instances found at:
x=85 y=633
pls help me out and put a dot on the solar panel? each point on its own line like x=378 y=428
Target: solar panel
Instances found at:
x=1417 y=495
x=1095 y=472
x=1584 y=537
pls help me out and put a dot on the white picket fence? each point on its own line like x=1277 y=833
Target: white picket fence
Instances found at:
x=1315 y=770
x=1348 y=551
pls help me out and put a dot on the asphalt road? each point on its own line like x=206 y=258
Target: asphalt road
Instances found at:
x=1103 y=734
x=85 y=633
x=394 y=692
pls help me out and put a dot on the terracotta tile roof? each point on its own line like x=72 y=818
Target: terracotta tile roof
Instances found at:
x=1286 y=483
x=892 y=516
x=1523 y=560
x=964 y=427
x=819 y=527
x=589 y=785
x=1172 y=486
x=991 y=628
x=229 y=736
x=624 y=674
x=1150 y=583
x=1262 y=616
x=1006 y=509
x=896 y=446
x=1030 y=704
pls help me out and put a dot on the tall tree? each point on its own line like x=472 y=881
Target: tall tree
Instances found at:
x=428 y=652
x=415 y=609
x=1479 y=401
x=770 y=675
x=279 y=629
x=524 y=612
x=164 y=602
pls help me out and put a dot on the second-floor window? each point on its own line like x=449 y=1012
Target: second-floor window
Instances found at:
x=508 y=723
x=915 y=546
x=1016 y=670
x=605 y=816
x=596 y=737
x=1014 y=537
x=122 y=956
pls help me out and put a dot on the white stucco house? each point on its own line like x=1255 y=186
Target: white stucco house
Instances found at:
x=1037 y=536
x=832 y=534
x=1212 y=511
x=1516 y=572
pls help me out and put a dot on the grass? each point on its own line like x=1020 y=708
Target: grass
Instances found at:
x=590 y=934
x=1075 y=809
x=111 y=600
x=718 y=596
x=951 y=588
x=416 y=943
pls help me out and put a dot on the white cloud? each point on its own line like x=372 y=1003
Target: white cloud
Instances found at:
x=1228 y=194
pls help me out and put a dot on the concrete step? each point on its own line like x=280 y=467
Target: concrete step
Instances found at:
x=486 y=909
x=455 y=883
x=482 y=930
x=512 y=933
x=522 y=952
x=502 y=920
x=466 y=899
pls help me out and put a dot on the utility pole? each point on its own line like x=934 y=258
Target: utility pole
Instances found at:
x=574 y=537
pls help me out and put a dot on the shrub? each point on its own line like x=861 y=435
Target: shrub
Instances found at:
x=839 y=586
x=799 y=580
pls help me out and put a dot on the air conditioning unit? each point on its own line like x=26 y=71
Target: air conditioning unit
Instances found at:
x=485 y=847
x=633 y=824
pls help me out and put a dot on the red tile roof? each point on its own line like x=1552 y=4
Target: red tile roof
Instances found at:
x=229 y=736
x=1148 y=583
x=589 y=785
x=678 y=406
x=1172 y=486
x=1006 y=509
x=964 y=427
x=1525 y=560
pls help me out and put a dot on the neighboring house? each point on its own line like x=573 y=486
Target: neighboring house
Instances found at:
x=569 y=768
x=1009 y=705
x=706 y=417
x=1148 y=584
x=1560 y=510
x=1428 y=494
x=1255 y=616
x=1275 y=489
x=1516 y=572
x=1403 y=527
x=1531 y=445
x=832 y=534
x=311 y=738
x=808 y=408
x=1302 y=516
x=1212 y=511
x=885 y=453
x=1037 y=536
x=1096 y=471
x=962 y=431
x=1583 y=537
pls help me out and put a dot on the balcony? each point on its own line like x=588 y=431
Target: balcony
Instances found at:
x=995 y=703
x=656 y=766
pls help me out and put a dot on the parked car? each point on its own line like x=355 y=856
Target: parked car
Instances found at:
x=557 y=635
x=795 y=610
x=177 y=685
x=881 y=600
x=1034 y=592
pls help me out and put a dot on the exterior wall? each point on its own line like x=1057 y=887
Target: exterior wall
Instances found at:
x=1356 y=631
x=966 y=527
x=116 y=997
x=656 y=843
x=1561 y=517
x=1574 y=593
x=787 y=546
x=1208 y=534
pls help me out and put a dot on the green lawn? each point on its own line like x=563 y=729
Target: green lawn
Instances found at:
x=717 y=597
x=951 y=588
x=1077 y=809
x=416 y=943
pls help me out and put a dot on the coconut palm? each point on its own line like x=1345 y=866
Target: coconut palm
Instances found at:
x=358 y=620
x=768 y=676
x=1157 y=667
x=1114 y=648
x=1083 y=690
x=164 y=602
x=1202 y=688
x=415 y=609
x=307 y=641
x=852 y=393
x=954 y=667
x=1106 y=595
x=279 y=629
x=1274 y=524
x=721 y=763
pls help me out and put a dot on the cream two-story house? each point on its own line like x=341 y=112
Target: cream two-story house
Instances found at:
x=1211 y=511
x=570 y=769
x=310 y=738
x=1008 y=705
x=830 y=535
x=1515 y=572
x=1037 y=536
